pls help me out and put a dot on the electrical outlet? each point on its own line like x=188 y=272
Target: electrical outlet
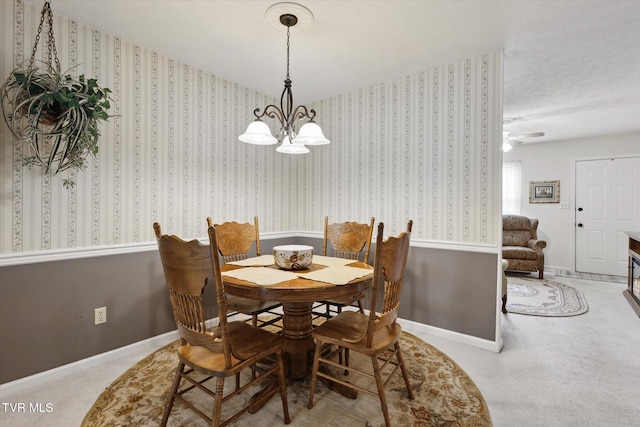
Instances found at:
x=100 y=315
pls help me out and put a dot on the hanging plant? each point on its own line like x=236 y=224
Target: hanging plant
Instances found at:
x=54 y=113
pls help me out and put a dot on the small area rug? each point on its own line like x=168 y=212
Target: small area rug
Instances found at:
x=444 y=396
x=543 y=298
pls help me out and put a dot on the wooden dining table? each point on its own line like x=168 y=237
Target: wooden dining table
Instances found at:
x=297 y=291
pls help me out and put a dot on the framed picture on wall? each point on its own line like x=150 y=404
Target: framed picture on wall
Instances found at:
x=544 y=191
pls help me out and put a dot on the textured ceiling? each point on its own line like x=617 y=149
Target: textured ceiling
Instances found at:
x=571 y=68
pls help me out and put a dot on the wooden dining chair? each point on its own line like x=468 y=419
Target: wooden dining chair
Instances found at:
x=219 y=353
x=347 y=240
x=234 y=243
x=376 y=334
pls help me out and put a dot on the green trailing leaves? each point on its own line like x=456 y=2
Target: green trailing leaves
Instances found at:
x=56 y=115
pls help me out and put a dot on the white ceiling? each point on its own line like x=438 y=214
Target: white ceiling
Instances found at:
x=571 y=68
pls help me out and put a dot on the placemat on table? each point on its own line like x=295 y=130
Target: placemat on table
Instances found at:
x=262 y=276
x=262 y=260
x=337 y=274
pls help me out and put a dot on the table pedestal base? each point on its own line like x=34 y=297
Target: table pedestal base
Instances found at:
x=299 y=345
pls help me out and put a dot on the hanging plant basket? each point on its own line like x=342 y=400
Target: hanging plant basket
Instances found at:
x=55 y=114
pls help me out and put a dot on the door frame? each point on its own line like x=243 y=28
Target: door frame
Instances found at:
x=574 y=185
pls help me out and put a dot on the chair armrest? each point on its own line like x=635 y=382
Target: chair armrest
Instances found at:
x=537 y=245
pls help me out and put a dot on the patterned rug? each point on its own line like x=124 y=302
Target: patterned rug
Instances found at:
x=543 y=298
x=444 y=396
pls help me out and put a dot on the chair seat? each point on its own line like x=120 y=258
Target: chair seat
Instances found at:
x=375 y=335
x=249 y=305
x=348 y=300
x=246 y=341
x=349 y=325
x=222 y=352
x=519 y=252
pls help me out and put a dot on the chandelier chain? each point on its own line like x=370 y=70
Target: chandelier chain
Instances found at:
x=288 y=45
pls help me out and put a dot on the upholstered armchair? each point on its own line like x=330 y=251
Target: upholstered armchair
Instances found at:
x=520 y=244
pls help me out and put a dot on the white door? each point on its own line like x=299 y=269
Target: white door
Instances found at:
x=607 y=205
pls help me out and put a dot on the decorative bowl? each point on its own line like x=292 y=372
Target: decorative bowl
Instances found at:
x=293 y=257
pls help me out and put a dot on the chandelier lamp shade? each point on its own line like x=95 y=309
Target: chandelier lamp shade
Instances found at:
x=292 y=142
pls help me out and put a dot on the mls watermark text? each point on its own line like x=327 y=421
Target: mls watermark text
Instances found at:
x=26 y=407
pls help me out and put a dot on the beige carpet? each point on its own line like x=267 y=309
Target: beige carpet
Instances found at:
x=445 y=396
x=537 y=297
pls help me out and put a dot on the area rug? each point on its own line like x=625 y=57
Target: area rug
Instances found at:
x=543 y=298
x=444 y=396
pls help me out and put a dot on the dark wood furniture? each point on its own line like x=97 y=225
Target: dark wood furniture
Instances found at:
x=505 y=265
x=297 y=297
x=347 y=240
x=632 y=293
x=222 y=352
x=376 y=334
x=234 y=243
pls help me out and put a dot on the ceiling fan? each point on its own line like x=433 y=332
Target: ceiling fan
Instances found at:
x=509 y=140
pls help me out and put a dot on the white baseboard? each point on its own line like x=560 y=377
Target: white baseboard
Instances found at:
x=481 y=343
x=558 y=271
x=152 y=344
x=149 y=345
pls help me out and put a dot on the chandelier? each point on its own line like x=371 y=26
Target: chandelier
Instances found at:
x=292 y=142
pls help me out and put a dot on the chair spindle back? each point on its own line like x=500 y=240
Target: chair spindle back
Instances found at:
x=390 y=261
x=189 y=266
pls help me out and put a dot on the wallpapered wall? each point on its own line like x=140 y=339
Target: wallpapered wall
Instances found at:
x=424 y=147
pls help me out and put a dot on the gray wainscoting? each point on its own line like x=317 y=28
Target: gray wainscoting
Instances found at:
x=452 y=290
x=47 y=308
